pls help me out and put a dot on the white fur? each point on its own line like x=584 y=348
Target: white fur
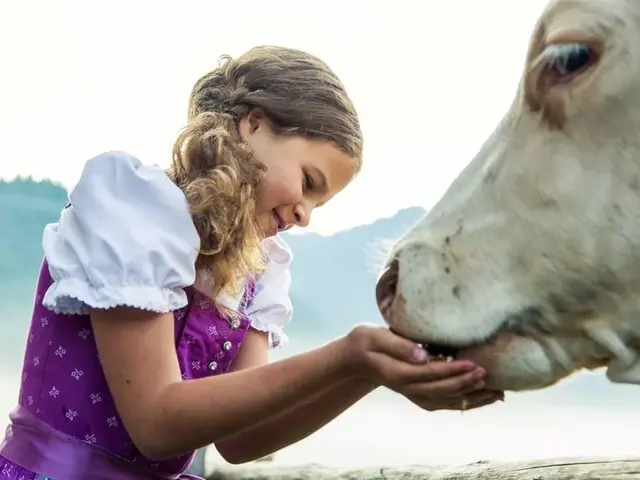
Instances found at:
x=545 y=219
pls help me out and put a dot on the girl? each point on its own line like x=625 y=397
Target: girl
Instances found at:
x=138 y=354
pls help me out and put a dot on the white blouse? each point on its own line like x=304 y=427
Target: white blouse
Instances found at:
x=128 y=240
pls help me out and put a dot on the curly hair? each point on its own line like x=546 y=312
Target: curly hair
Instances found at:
x=299 y=95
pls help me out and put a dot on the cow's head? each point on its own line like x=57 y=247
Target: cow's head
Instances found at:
x=530 y=263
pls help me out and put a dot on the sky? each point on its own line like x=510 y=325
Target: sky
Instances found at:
x=430 y=81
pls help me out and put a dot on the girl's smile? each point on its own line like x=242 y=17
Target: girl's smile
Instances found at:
x=279 y=224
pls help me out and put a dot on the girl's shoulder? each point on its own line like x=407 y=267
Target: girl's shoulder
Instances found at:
x=271 y=308
x=119 y=180
x=126 y=238
x=277 y=250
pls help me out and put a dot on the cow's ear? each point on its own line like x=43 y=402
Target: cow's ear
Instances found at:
x=624 y=371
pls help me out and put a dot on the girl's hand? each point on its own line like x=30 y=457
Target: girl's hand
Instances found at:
x=387 y=359
x=470 y=401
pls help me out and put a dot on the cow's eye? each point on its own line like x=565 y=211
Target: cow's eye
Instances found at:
x=568 y=59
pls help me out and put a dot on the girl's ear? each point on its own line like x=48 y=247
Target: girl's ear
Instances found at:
x=255 y=118
x=251 y=123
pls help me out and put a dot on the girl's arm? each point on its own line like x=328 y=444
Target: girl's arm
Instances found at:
x=166 y=416
x=297 y=422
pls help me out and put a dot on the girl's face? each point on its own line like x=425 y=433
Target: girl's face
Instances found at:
x=302 y=174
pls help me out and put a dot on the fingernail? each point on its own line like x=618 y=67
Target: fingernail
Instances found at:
x=419 y=355
x=479 y=385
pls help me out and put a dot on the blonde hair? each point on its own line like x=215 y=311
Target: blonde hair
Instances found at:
x=299 y=95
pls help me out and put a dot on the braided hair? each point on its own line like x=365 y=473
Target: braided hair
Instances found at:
x=299 y=95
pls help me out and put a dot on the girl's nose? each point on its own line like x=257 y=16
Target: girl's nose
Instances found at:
x=301 y=216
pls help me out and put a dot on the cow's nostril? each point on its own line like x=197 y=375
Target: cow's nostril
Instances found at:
x=387 y=286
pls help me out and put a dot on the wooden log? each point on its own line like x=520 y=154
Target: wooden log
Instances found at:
x=625 y=468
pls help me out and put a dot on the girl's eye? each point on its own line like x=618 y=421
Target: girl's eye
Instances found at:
x=308 y=182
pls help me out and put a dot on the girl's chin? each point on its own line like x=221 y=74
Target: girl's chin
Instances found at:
x=267 y=228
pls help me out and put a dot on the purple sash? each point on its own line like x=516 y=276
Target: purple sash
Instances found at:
x=35 y=446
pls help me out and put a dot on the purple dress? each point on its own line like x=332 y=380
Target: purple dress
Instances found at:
x=66 y=426
x=66 y=418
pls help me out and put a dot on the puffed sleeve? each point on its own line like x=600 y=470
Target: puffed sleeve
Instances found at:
x=271 y=308
x=126 y=239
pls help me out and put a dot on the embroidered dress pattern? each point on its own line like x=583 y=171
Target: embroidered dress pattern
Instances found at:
x=64 y=389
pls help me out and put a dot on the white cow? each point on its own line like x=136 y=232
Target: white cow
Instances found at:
x=530 y=263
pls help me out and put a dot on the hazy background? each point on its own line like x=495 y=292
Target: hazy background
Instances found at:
x=430 y=80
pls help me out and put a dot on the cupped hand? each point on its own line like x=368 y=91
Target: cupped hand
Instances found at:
x=469 y=401
x=387 y=359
